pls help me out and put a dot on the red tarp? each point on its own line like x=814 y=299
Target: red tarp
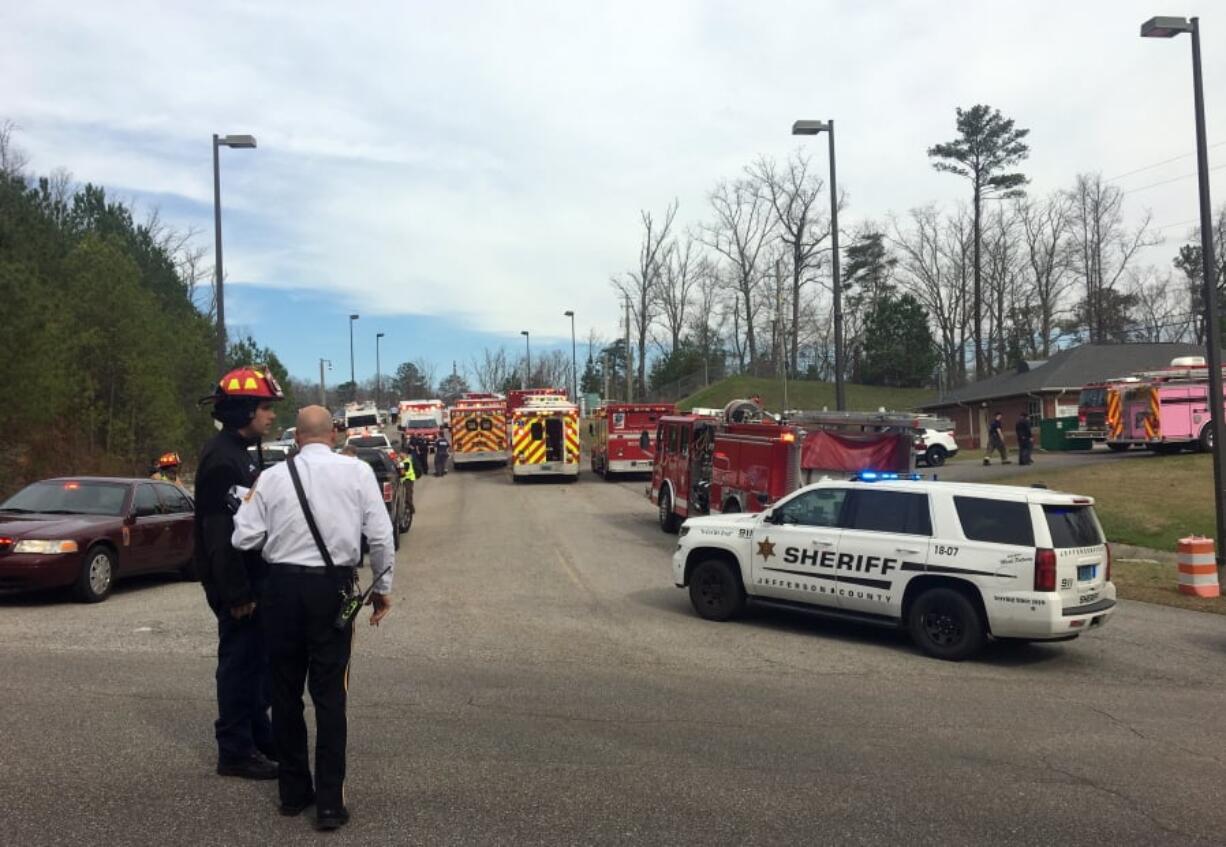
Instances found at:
x=848 y=453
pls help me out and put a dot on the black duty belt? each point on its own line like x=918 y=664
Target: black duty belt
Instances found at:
x=317 y=570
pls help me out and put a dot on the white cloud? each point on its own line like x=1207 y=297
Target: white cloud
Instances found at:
x=490 y=159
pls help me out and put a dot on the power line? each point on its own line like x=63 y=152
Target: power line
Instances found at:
x=1172 y=179
x=1163 y=162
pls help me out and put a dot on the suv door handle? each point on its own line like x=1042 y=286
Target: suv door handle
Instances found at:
x=911 y=550
x=817 y=542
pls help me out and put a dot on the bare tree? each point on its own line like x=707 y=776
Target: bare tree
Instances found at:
x=709 y=316
x=681 y=268
x=492 y=369
x=1045 y=230
x=793 y=194
x=13 y=161
x=738 y=233
x=1159 y=308
x=640 y=285
x=1103 y=248
x=427 y=370
x=936 y=265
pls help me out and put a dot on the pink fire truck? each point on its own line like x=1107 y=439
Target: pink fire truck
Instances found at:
x=1165 y=410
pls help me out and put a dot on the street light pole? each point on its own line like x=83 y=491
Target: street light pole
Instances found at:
x=241 y=141
x=1166 y=27
x=574 y=372
x=813 y=128
x=353 y=380
x=323 y=394
x=528 y=348
x=378 y=374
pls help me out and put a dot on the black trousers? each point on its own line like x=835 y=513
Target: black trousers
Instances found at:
x=1024 y=448
x=306 y=649
x=243 y=693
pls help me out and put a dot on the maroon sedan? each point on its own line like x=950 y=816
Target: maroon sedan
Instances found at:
x=86 y=532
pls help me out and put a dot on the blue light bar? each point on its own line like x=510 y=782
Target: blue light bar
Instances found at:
x=873 y=476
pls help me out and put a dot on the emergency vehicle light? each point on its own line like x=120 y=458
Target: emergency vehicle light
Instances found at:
x=873 y=476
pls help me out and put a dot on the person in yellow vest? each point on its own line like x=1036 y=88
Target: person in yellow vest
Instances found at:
x=408 y=476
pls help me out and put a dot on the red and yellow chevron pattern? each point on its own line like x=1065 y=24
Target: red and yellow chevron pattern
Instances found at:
x=478 y=431
x=1153 y=425
x=1115 y=419
x=529 y=448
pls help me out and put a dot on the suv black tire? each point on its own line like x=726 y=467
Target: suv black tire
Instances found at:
x=935 y=456
x=946 y=624
x=97 y=575
x=715 y=591
x=668 y=518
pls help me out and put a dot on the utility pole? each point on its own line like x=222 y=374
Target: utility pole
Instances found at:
x=323 y=393
x=629 y=358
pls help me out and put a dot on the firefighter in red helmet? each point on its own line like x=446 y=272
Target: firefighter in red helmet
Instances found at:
x=167 y=468
x=243 y=403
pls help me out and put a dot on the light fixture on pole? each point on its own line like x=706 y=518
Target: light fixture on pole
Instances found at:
x=239 y=142
x=813 y=128
x=378 y=374
x=323 y=394
x=574 y=373
x=1168 y=27
x=528 y=348
x=353 y=380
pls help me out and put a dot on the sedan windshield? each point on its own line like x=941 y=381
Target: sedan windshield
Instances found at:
x=69 y=498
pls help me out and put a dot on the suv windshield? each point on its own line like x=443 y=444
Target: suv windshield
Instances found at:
x=69 y=498
x=1072 y=526
x=368 y=441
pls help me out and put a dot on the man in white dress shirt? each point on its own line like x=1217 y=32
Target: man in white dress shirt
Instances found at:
x=302 y=599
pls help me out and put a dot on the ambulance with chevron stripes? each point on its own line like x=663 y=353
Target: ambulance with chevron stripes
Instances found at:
x=544 y=434
x=479 y=429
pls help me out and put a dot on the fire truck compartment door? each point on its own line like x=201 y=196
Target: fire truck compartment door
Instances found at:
x=793 y=554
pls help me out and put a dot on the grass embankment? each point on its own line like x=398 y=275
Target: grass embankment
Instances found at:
x=1148 y=502
x=804 y=394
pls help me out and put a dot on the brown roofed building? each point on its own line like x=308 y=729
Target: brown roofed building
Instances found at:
x=1046 y=389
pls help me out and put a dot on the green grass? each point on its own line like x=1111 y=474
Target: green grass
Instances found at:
x=803 y=394
x=1155 y=582
x=1150 y=502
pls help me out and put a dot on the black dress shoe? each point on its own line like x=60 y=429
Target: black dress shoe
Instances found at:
x=329 y=819
x=269 y=753
x=290 y=810
x=253 y=767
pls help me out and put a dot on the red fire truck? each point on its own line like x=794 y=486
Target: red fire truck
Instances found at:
x=742 y=460
x=624 y=436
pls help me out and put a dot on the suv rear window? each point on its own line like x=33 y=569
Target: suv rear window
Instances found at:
x=889 y=511
x=1072 y=526
x=995 y=521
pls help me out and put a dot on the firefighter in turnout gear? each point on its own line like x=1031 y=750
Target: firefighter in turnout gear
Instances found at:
x=243 y=404
x=167 y=468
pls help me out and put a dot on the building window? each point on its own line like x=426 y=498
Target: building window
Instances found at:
x=1034 y=408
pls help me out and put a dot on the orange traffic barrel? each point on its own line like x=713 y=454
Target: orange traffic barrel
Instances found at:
x=1198 y=567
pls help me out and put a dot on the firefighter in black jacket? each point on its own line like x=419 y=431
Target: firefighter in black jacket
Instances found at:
x=232 y=579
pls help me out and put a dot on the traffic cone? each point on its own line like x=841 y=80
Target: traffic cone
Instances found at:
x=1197 y=567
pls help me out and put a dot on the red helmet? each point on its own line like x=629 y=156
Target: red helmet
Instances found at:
x=249 y=381
x=169 y=460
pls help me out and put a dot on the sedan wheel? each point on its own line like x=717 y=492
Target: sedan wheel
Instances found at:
x=97 y=576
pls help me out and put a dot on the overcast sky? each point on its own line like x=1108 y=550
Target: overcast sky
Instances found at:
x=484 y=163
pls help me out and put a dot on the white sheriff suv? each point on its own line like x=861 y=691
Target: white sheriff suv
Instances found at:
x=952 y=563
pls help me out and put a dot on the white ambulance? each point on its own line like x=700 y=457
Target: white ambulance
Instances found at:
x=952 y=563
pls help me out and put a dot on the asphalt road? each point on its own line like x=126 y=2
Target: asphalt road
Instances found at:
x=542 y=682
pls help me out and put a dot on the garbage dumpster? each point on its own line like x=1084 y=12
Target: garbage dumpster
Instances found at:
x=1053 y=435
